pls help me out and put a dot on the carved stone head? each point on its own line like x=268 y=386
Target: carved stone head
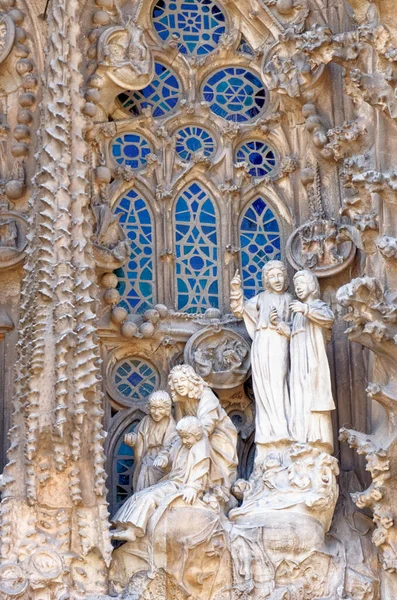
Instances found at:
x=184 y=382
x=274 y=277
x=190 y=430
x=159 y=405
x=306 y=285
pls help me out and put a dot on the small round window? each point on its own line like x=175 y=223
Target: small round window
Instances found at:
x=134 y=379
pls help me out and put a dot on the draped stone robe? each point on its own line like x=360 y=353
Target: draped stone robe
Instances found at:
x=310 y=381
x=153 y=439
x=190 y=468
x=221 y=433
x=270 y=363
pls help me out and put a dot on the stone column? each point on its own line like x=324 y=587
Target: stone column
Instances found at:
x=54 y=519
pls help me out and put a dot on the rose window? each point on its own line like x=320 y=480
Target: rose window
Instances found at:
x=161 y=95
x=235 y=93
x=194 y=139
x=259 y=156
x=196 y=25
x=130 y=149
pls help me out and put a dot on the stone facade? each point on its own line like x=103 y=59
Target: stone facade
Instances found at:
x=198 y=243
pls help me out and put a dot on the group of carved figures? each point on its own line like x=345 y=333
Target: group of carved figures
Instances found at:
x=178 y=460
x=290 y=371
x=193 y=456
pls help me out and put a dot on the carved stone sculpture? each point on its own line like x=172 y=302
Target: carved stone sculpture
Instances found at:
x=152 y=441
x=266 y=317
x=194 y=397
x=310 y=382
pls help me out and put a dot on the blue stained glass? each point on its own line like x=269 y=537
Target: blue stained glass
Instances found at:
x=136 y=278
x=259 y=156
x=135 y=379
x=245 y=48
x=162 y=95
x=197 y=25
x=235 y=93
x=196 y=263
x=259 y=241
x=130 y=149
x=123 y=469
x=194 y=139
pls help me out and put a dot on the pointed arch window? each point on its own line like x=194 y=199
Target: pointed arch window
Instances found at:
x=122 y=469
x=196 y=250
x=136 y=278
x=259 y=242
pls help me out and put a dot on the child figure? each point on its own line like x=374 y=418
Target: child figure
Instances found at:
x=188 y=478
x=154 y=437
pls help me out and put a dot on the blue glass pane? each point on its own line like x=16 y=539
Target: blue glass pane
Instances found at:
x=136 y=277
x=245 y=48
x=259 y=156
x=194 y=139
x=130 y=149
x=134 y=378
x=235 y=93
x=161 y=95
x=259 y=242
x=197 y=25
x=123 y=469
x=196 y=264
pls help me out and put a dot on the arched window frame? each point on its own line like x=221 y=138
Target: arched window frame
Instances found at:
x=210 y=189
x=279 y=209
x=119 y=191
x=120 y=423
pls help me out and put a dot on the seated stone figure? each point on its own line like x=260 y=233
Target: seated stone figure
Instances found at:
x=188 y=478
x=152 y=441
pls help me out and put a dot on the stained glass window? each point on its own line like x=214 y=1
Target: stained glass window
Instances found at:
x=197 y=25
x=136 y=277
x=123 y=469
x=130 y=149
x=135 y=379
x=194 y=139
x=259 y=156
x=161 y=95
x=235 y=93
x=196 y=250
x=245 y=48
x=259 y=241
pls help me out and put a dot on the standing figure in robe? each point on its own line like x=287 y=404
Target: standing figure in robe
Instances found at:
x=152 y=441
x=310 y=381
x=193 y=397
x=266 y=318
x=188 y=478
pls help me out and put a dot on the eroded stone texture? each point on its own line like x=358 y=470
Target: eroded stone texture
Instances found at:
x=155 y=159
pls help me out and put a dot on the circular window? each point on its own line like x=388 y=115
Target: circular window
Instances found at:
x=134 y=379
x=130 y=149
x=161 y=95
x=235 y=93
x=194 y=139
x=259 y=156
x=196 y=25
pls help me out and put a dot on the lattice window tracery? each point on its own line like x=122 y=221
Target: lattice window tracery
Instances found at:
x=260 y=242
x=196 y=249
x=196 y=25
x=134 y=379
x=161 y=96
x=136 y=278
x=235 y=93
